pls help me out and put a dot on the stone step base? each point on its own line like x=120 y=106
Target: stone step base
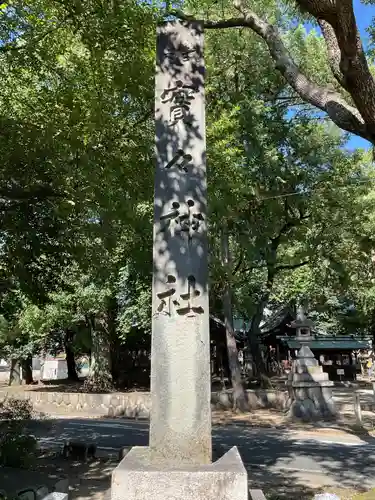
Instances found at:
x=142 y=478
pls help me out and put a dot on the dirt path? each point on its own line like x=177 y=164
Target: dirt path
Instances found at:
x=92 y=481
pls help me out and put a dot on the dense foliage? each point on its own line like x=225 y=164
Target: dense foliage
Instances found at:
x=293 y=204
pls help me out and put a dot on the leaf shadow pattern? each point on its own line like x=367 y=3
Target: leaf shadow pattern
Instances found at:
x=176 y=182
x=276 y=461
x=180 y=310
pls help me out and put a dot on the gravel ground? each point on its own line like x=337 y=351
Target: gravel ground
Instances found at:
x=90 y=480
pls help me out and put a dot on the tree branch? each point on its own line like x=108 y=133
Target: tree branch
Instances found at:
x=277 y=268
x=14 y=48
x=341 y=34
x=344 y=115
x=333 y=50
x=239 y=263
x=291 y=266
x=251 y=268
x=41 y=192
x=338 y=109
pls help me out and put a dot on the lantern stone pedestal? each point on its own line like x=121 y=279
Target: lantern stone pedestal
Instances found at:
x=310 y=390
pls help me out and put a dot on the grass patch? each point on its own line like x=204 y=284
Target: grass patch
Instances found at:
x=346 y=494
x=343 y=494
x=369 y=495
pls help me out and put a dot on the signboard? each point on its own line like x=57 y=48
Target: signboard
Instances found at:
x=340 y=371
x=54 y=369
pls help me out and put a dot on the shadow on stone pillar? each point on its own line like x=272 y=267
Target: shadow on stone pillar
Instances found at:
x=178 y=462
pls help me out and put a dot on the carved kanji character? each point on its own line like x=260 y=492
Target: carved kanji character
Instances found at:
x=166 y=295
x=190 y=221
x=181 y=51
x=180 y=55
x=189 y=304
x=181 y=160
x=180 y=97
x=184 y=222
x=169 y=216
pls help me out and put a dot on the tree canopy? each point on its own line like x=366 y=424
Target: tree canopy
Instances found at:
x=347 y=94
x=76 y=169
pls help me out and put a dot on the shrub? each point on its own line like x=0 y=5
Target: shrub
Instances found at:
x=16 y=409
x=17 y=447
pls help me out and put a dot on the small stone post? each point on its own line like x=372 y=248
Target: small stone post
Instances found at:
x=357 y=408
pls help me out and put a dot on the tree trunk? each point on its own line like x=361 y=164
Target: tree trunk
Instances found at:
x=15 y=372
x=239 y=396
x=100 y=377
x=254 y=333
x=69 y=356
x=113 y=340
x=42 y=359
x=372 y=328
x=256 y=354
x=27 y=370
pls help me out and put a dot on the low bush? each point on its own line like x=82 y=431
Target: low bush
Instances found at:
x=17 y=447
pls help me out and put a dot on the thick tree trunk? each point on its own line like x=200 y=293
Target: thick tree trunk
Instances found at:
x=239 y=395
x=15 y=372
x=372 y=328
x=100 y=377
x=256 y=353
x=69 y=356
x=27 y=370
x=345 y=56
x=254 y=345
x=113 y=340
x=71 y=364
x=254 y=333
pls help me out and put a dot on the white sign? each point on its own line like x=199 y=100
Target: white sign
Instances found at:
x=340 y=371
x=54 y=369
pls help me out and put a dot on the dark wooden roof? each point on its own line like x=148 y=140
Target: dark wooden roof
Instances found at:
x=282 y=317
x=330 y=342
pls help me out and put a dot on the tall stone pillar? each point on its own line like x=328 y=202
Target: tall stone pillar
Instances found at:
x=177 y=464
x=180 y=352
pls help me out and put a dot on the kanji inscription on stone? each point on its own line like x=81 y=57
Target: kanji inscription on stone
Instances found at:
x=189 y=304
x=180 y=55
x=166 y=297
x=184 y=303
x=183 y=221
x=180 y=428
x=181 y=160
x=180 y=97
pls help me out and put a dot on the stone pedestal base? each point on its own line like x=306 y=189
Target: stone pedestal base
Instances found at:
x=310 y=391
x=312 y=401
x=137 y=478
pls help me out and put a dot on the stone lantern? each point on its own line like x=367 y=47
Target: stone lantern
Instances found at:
x=310 y=390
x=303 y=326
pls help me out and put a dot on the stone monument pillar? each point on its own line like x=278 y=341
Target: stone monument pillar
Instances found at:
x=177 y=464
x=310 y=390
x=180 y=350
